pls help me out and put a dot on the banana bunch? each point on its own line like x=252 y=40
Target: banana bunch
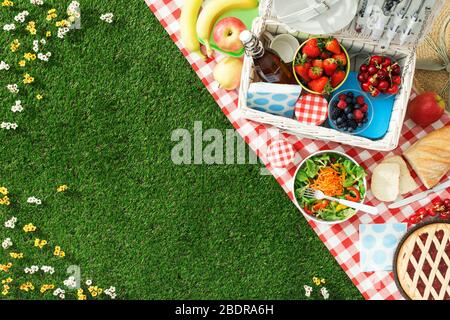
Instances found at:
x=194 y=26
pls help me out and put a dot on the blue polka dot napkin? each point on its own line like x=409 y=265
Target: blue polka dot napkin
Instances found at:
x=377 y=244
x=277 y=99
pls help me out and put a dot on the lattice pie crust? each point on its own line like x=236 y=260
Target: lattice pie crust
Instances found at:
x=423 y=263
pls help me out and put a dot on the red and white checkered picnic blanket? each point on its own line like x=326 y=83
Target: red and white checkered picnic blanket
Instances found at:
x=341 y=239
x=311 y=109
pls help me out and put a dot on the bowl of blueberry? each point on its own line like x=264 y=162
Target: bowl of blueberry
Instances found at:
x=350 y=111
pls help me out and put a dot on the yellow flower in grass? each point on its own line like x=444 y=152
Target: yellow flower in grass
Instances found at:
x=62 y=24
x=317 y=281
x=62 y=188
x=58 y=252
x=22 y=63
x=39 y=96
x=16 y=255
x=40 y=243
x=15 y=45
x=7 y=3
x=5 y=290
x=5 y=201
x=46 y=287
x=31 y=27
x=6 y=267
x=51 y=14
x=27 y=79
x=95 y=291
x=29 y=56
x=81 y=295
x=48 y=34
x=7 y=280
x=29 y=228
x=27 y=286
x=4 y=191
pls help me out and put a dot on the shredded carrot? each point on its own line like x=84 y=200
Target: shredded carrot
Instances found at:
x=329 y=181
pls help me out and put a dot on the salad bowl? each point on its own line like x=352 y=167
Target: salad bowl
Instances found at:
x=334 y=173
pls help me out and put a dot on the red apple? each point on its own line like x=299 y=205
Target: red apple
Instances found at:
x=426 y=108
x=226 y=34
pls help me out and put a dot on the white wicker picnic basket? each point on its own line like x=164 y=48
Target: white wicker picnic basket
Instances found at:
x=356 y=46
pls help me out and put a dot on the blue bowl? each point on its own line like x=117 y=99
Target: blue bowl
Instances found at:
x=370 y=111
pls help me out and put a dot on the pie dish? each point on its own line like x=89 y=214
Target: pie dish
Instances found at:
x=422 y=262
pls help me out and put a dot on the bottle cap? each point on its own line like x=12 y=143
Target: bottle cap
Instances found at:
x=245 y=36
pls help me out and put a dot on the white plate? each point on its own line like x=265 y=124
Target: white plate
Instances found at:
x=338 y=17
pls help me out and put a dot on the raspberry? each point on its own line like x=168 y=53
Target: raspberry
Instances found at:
x=364 y=108
x=342 y=96
x=360 y=100
x=342 y=104
x=358 y=115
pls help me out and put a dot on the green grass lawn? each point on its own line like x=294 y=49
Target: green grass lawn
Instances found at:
x=112 y=96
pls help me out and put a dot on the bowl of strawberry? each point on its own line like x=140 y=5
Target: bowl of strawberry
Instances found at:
x=321 y=65
x=380 y=75
x=350 y=111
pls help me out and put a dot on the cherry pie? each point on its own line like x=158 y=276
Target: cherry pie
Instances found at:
x=422 y=263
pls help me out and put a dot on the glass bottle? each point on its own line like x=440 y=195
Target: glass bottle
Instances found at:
x=268 y=65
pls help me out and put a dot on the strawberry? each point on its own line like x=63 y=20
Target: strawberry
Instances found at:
x=302 y=71
x=341 y=59
x=337 y=78
x=321 y=85
x=315 y=73
x=317 y=63
x=333 y=46
x=329 y=66
x=325 y=55
x=311 y=49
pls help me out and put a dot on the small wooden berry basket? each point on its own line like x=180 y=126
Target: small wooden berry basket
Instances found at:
x=357 y=47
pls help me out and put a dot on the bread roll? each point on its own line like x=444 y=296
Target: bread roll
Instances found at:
x=386 y=181
x=430 y=156
x=407 y=183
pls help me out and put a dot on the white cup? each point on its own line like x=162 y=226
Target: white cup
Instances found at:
x=284 y=45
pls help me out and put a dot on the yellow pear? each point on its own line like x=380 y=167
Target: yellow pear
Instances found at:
x=228 y=73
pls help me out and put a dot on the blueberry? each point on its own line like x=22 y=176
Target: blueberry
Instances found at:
x=357 y=106
x=350 y=94
x=350 y=116
x=353 y=124
x=350 y=129
x=348 y=110
x=349 y=100
x=360 y=124
x=339 y=120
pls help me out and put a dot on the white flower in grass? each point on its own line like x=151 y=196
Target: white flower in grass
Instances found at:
x=31 y=270
x=88 y=282
x=44 y=57
x=17 y=107
x=4 y=65
x=13 y=88
x=58 y=292
x=62 y=32
x=107 y=17
x=111 y=292
x=34 y=200
x=308 y=290
x=11 y=223
x=7 y=243
x=35 y=45
x=43 y=41
x=37 y=2
x=324 y=293
x=21 y=16
x=70 y=282
x=48 y=269
x=9 y=27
